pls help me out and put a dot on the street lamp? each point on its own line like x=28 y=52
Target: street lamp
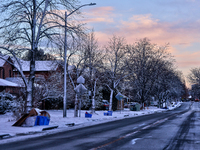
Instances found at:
x=65 y=57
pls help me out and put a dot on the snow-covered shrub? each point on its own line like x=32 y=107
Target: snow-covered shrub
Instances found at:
x=87 y=103
x=99 y=98
x=7 y=103
x=18 y=107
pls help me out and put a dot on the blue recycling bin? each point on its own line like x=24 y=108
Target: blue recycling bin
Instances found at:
x=42 y=120
x=109 y=113
x=88 y=115
x=106 y=114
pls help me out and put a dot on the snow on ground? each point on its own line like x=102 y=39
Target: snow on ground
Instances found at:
x=56 y=119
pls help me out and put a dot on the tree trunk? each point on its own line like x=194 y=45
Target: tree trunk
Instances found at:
x=111 y=97
x=93 y=98
x=30 y=86
x=32 y=62
x=76 y=107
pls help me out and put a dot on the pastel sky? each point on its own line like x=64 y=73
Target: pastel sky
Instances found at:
x=176 y=22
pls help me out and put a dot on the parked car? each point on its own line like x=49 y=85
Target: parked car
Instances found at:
x=135 y=106
x=105 y=105
x=196 y=100
x=126 y=105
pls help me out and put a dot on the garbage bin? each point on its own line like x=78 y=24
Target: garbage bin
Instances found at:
x=87 y=115
x=109 y=113
x=137 y=106
x=42 y=120
x=132 y=107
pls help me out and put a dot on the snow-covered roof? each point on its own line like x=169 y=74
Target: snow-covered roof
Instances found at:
x=2 y=61
x=7 y=83
x=16 y=80
x=39 y=65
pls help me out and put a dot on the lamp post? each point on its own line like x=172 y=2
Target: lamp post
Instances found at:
x=65 y=57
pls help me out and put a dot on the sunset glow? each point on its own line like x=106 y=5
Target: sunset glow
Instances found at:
x=176 y=22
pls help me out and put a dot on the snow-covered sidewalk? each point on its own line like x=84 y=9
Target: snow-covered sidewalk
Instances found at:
x=57 y=121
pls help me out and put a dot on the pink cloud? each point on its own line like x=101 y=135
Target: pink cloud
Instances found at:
x=187 y=60
x=161 y=32
x=101 y=38
x=188 y=64
x=101 y=11
x=140 y=26
x=97 y=20
x=99 y=14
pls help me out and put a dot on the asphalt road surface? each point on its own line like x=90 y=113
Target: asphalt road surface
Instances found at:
x=170 y=130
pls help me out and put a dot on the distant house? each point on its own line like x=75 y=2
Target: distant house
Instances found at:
x=6 y=71
x=43 y=69
x=10 y=78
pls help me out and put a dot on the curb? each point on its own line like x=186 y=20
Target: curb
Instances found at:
x=5 y=136
x=2 y=136
x=49 y=128
x=70 y=124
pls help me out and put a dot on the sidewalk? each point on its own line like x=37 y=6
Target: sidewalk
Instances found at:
x=59 y=123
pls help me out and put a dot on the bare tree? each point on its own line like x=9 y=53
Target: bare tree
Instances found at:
x=115 y=69
x=169 y=84
x=40 y=55
x=194 y=76
x=88 y=59
x=94 y=61
x=32 y=24
x=145 y=62
x=194 y=79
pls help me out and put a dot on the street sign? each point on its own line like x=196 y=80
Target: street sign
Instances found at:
x=119 y=96
x=80 y=80
x=80 y=89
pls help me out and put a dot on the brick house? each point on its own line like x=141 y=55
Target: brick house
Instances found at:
x=10 y=79
x=6 y=71
x=43 y=69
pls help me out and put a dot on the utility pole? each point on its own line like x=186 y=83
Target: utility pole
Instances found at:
x=65 y=58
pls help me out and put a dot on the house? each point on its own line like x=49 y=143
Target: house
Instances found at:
x=10 y=78
x=6 y=71
x=43 y=69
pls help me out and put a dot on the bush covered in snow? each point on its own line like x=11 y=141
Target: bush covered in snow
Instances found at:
x=7 y=103
x=87 y=103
